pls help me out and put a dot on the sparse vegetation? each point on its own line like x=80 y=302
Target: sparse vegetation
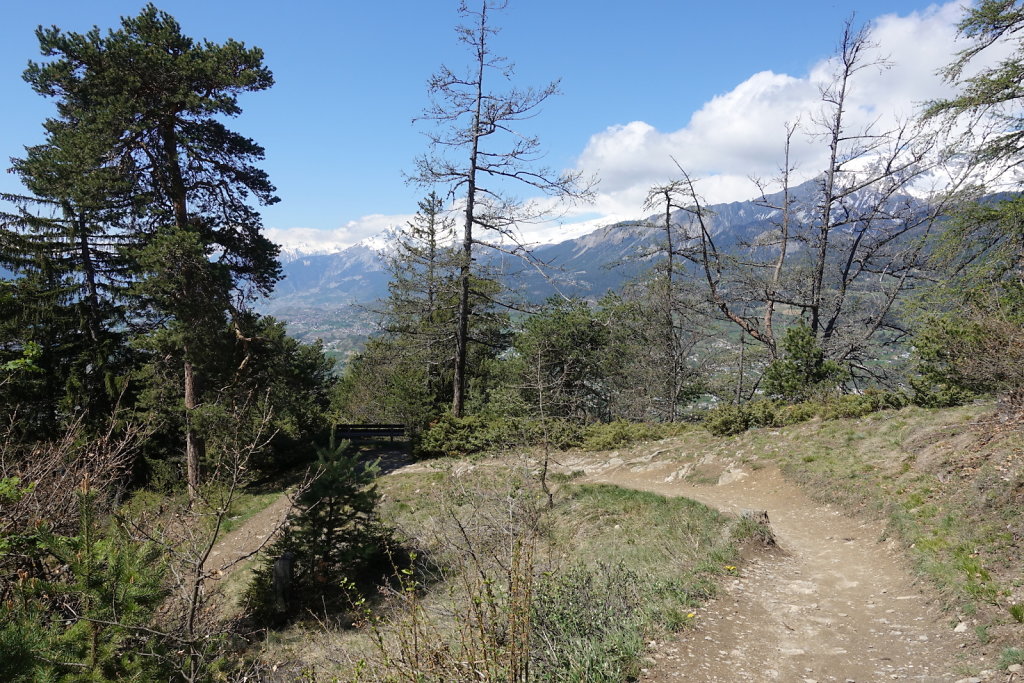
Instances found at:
x=728 y=420
x=573 y=591
x=147 y=412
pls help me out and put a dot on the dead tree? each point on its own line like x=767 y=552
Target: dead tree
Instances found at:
x=842 y=252
x=480 y=154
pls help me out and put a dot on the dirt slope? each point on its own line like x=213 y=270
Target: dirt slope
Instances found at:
x=834 y=604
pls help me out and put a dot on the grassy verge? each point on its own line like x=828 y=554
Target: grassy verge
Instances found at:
x=509 y=588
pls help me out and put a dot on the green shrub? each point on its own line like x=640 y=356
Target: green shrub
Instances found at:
x=472 y=434
x=564 y=434
x=90 y=621
x=728 y=420
x=859 y=405
x=339 y=546
x=608 y=435
x=603 y=436
x=763 y=414
x=802 y=372
x=931 y=392
x=453 y=436
x=450 y=436
x=793 y=414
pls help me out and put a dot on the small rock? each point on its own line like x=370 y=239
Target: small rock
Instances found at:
x=730 y=476
x=960 y=628
x=1015 y=668
x=972 y=679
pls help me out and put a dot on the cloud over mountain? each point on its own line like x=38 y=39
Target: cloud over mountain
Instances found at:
x=740 y=133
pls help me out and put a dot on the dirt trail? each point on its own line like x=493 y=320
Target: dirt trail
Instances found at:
x=834 y=604
x=228 y=555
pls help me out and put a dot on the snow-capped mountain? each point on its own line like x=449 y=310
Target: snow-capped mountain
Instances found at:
x=586 y=266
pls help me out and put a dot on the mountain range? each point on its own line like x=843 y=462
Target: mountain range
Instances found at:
x=586 y=266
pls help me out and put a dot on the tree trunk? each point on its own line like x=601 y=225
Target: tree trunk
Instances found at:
x=462 y=334
x=195 y=447
x=194 y=444
x=462 y=329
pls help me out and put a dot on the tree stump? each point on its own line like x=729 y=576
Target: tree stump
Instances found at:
x=282 y=582
x=762 y=527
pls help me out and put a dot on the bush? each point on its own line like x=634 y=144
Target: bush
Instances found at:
x=859 y=405
x=453 y=436
x=802 y=372
x=608 y=435
x=931 y=392
x=88 y=621
x=729 y=420
x=603 y=436
x=473 y=434
x=338 y=545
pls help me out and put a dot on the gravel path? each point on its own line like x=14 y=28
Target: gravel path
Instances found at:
x=226 y=557
x=833 y=603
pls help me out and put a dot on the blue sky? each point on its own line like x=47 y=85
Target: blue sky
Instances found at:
x=640 y=81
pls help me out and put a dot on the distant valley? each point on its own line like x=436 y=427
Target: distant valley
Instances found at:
x=330 y=296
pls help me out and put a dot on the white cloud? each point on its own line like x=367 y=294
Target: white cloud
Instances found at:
x=740 y=133
x=312 y=240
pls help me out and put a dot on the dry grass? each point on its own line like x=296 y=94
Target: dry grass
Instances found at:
x=949 y=482
x=508 y=588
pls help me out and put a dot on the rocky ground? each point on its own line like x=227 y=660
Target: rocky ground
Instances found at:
x=833 y=602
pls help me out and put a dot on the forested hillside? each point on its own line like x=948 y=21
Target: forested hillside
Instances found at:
x=148 y=409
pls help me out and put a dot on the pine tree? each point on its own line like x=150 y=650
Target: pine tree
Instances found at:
x=420 y=308
x=154 y=100
x=70 y=253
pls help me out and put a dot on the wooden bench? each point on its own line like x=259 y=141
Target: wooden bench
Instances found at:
x=369 y=431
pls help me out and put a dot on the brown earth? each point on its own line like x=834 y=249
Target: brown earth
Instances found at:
x=235 y=547
x=833 y=603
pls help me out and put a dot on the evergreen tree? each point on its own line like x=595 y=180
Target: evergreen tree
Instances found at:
x=335 y=538
x=970 y=340
x=803 y=371
x=154 y=99
x=421 y=304
x=648 y=361
x=69 y=296
x=558 y=361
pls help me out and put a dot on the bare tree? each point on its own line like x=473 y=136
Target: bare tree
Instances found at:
x=479 y=153
x=677 y=333
x=841 y=254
